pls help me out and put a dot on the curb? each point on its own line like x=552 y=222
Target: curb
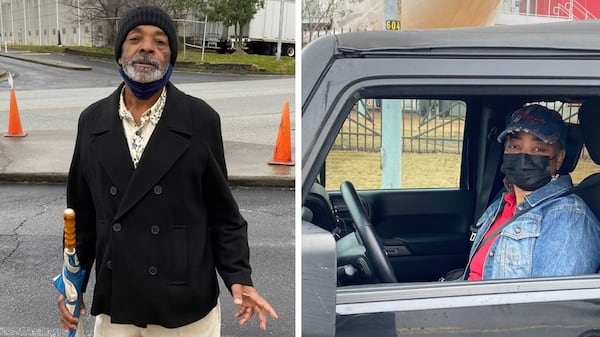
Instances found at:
x=33 y=178
x=52 y=63
x=274 y=182
x=61 y=178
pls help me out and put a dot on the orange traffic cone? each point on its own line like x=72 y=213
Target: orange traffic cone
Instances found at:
x=14 y=122
x=283 y=146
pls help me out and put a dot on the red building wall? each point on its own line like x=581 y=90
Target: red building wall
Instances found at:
x=582 y=9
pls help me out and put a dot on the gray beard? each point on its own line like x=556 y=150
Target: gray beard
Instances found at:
x=143 y=74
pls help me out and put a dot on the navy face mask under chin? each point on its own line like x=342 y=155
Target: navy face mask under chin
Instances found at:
x=529 y=172
x=146 y=90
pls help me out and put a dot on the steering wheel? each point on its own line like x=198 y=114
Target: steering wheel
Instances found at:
x=374 y=249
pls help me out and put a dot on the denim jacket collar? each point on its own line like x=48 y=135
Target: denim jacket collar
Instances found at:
x=551 y=190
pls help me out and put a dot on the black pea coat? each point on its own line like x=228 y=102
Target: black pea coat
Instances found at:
x=157 y=233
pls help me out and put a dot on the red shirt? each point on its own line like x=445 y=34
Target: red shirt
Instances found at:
x=476 y=267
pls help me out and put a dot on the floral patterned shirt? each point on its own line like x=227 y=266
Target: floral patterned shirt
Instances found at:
x=138 y=135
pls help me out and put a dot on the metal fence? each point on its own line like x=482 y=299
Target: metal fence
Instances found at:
x=428 y=126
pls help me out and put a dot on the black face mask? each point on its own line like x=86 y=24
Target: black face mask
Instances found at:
x=528 y=172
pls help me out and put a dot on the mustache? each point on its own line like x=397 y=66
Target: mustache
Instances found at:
x=146 y=59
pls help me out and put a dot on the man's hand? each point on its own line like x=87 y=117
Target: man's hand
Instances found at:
x=68 y=321
x=250 y=302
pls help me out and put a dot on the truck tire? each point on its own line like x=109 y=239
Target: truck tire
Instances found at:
x=221 y=47
x=289 y=50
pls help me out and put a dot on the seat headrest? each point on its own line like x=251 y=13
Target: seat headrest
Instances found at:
x=589 y=119
x=573 y=148
x=319 y=189
x=307 y=214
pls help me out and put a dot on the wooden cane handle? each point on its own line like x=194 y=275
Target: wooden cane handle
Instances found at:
x=69 y=217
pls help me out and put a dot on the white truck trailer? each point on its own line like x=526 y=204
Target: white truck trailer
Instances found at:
x=263 y=30
x=261 y=35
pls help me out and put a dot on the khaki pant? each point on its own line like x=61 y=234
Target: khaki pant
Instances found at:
x=209 y=326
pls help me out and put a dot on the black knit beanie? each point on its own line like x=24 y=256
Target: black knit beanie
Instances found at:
x=146 y=15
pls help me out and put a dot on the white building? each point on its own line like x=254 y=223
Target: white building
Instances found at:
x=39 y=22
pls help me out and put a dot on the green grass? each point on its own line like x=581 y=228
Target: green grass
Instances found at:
x=237 y=63
x=262 y=63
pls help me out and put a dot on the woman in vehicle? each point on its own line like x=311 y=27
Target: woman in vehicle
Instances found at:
x=536 y=229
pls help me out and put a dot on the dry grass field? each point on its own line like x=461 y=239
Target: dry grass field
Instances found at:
x=419 y=170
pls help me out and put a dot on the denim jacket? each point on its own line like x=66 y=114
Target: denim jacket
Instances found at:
x=556 y=237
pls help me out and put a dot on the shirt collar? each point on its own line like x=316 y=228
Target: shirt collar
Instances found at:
x=151 y=115
x=510 y=199
x=552 y=189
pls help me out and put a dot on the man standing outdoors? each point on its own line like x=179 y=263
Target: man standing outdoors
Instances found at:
x=148 y=184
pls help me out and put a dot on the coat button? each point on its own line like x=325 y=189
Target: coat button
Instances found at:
x=158 y=190
x=518 y=230
x=109 y=264
x=113 y=190
x=117 y=227
x=152 y=270
x=155 y=229
x=491 y=253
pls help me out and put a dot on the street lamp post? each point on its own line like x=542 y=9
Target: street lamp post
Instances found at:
x=391 y=116
x=25 y=20
x=57 y=25
x=279 y=37
x=204 y=36
x=78 y=23
x=40 y=21
x=1 y=21
x=12 y=21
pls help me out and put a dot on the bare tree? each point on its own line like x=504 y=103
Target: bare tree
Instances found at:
x=106 y=13
x=318 y=15
x=98 y=13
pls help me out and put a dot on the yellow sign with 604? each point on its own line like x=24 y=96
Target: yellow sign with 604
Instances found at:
x=392 y=25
